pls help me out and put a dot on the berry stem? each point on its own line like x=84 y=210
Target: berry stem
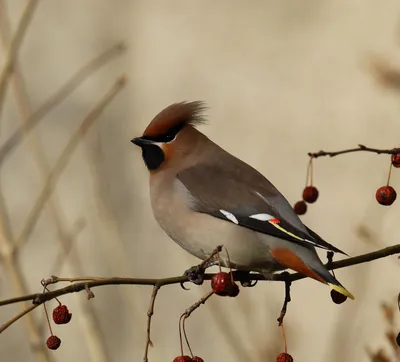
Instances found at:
x=180 y=334
x=390 y=174
x=284 y=338
x=309 y=177
x=47 y=317
x=219 y=261
x=229 y=262
x=184 y=333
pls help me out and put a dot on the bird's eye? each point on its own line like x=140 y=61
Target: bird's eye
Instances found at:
x=168 y=137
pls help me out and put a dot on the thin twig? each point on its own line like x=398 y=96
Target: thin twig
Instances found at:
x=322 y=153
x=18 y=316
x=65 y=90
x=63 y=160
x=14 y=46
x=150 y=313
x=196 y=305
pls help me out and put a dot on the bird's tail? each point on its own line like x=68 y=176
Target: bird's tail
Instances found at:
x=332 y=282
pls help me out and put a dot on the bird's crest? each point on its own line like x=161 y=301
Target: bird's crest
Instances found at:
x=176 y=116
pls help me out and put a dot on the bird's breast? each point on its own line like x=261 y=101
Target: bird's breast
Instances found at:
x=200 y=233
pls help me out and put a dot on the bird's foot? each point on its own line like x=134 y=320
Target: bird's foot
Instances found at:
x=288 y=284
x=195 y=274
x=244 y=277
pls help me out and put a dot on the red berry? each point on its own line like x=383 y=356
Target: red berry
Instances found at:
x=197 y=359
x=337 y=297
x=386 y=195
x=310 y=194
x=182 y=359
x=234 y=290
x=284 y=357
x=300 y=208
x=221 y=283
x=61 y=315
x=53 y=342
x=396 y=159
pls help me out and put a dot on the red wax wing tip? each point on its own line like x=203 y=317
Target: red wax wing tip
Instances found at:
x=284 y=357
x=386 y=195
x=274 y=221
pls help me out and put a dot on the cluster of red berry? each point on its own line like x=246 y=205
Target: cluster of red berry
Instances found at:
x=385 y=195
x=61 y=315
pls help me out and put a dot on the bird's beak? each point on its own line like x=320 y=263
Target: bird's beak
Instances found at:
x=138 y=141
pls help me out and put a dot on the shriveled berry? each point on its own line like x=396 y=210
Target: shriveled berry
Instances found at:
x=284 y=357
x=337 y=297
x=221 y=283
x=396 y=159
x=197 y=359
x=386 y=195
x=310 y=194
x=61 y=315
x=234 y=290
x=300 y=208
x=53 y=342
x=182 y=359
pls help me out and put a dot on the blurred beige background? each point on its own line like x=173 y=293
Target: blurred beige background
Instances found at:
x=280 y=79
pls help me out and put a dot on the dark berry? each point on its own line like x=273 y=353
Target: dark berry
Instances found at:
x=284 y=357
x=337 y=297
x=396 y=159
x=310 y=194
x=386 y=195
x=300 y=208
x=234 y=290
x=197 y=359
x=53 y=342
x=221 y=283
x=182 y=359
x=61 y=315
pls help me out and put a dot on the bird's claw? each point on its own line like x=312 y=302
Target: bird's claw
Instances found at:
x=245 y=278
x=195 y=274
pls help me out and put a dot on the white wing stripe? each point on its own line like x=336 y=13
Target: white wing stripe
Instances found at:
x=262 y=217
x=229 y=216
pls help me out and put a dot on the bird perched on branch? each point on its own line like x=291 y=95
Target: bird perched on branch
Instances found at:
x=202 y=196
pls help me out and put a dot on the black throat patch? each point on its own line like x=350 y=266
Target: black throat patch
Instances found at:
x=153 y=156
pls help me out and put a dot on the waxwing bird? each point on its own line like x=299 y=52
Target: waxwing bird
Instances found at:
x=202 y=196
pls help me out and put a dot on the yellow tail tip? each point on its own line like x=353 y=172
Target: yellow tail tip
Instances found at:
x=341 y=290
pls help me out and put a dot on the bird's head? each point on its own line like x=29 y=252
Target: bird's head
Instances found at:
x=169 y=133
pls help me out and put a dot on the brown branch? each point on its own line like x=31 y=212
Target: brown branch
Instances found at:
x=322 y=153
x=39 y=298
x=14 y=46
x=18 y=316
x=65 y=90
x=150 y=313
x=63 y=160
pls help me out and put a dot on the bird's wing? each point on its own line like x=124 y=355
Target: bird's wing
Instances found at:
x=248 y=199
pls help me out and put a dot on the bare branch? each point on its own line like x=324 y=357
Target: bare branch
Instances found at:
x=63 y=160
x=14 y=46
x=321 y=153
x=150 y=313
x=91 y=282
x=58 y=96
